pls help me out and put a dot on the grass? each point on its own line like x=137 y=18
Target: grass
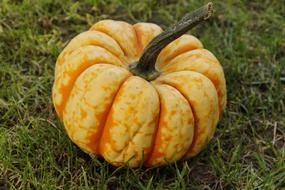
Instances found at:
x=248 y=150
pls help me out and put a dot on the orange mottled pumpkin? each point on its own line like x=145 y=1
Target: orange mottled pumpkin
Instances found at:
x=136 y=94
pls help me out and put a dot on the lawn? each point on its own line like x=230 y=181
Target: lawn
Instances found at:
x=248 y=149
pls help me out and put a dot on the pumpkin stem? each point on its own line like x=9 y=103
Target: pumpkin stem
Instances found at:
x=145 y=67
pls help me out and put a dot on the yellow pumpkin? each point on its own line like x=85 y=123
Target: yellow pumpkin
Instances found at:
x=135 y=94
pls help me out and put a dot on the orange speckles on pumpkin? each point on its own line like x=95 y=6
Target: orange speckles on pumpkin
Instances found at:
x=145 y=33
x=83 y=113
x=94 y=100
x=202 y=61
x=94 y=38
x=94 y=138
x=174 y=129
x=124 y=35
x=177 y=47
x=78 y=62
x=106 y=139
x=61 y=61
x=132 y=132
x=107 y=111
x=204 y=117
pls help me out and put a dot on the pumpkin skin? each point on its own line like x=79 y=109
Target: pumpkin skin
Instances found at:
x=109 y=112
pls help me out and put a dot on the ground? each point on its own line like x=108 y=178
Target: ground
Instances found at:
x=248 y=149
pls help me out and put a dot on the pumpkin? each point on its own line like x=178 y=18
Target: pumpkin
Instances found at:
x=136 y=94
